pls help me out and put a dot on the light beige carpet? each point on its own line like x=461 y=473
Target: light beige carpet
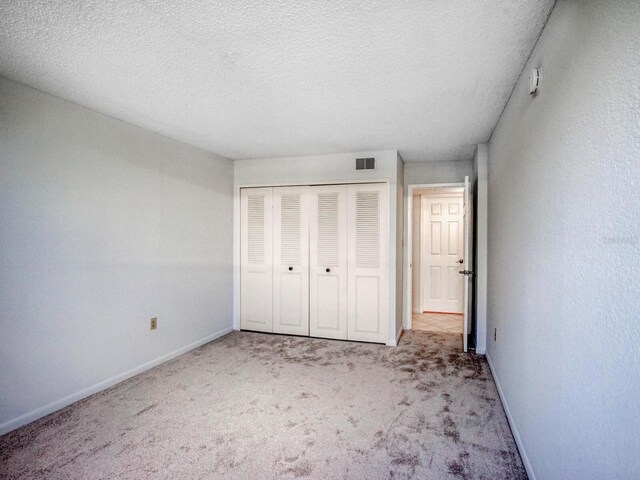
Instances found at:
x=256 y=406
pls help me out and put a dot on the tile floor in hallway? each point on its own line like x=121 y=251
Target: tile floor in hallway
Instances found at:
x=437 y=322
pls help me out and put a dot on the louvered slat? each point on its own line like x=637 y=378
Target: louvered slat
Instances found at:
x=328 y=235
x=368 y=229
x=290 y=218
x=255 y=229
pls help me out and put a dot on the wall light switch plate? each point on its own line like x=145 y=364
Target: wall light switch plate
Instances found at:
x=153 y=324
x=534 y=81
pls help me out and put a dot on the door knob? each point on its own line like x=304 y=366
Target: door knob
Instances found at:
x=461 y=261
x=328 y=270
x=290 y=268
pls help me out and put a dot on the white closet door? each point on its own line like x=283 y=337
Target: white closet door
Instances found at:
x=291 y=260
x=368 y=253
x=328 y=262
x=256 y=259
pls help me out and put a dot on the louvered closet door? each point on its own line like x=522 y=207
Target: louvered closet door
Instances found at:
x=368 y=253
x=328 y=262
x=291 y=260
x=256 y=255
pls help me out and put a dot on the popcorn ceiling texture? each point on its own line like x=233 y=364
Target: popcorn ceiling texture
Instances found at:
x=249 y=79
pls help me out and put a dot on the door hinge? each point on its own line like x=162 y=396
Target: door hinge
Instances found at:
x=466 y=272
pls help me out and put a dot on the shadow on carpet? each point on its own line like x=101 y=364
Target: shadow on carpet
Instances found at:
x=257 y=406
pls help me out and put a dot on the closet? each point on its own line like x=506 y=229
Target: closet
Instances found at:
x=315 y=261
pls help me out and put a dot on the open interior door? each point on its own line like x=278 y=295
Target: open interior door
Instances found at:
x=468 y=262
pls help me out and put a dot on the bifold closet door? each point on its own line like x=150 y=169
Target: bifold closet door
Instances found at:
x=291 y=260
x=256 y=259
x=328 y=262
x=368 y=254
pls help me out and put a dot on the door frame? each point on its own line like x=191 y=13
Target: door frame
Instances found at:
x=408 y=263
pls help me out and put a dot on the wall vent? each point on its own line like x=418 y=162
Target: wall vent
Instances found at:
x=366 y=163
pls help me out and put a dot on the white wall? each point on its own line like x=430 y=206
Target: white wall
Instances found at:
x=564 y=247
x=480 y=160
x=399 y=244
x=436 y=172
x=416 y=213
x=102 y=226
x=317 y=169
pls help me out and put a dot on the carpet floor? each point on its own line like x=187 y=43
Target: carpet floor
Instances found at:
x=256 y=406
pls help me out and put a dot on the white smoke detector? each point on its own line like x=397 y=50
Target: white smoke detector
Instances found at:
x=534 y=80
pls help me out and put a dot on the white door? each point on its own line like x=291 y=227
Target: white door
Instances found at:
x=368 y=262
x=328 y=262
x=291 y=260
x=256 y=257
x=442 y=253
x=466 y=273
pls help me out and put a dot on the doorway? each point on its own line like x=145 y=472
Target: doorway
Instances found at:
x=439 y=254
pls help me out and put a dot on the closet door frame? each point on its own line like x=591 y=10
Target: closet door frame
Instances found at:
x=237 y=243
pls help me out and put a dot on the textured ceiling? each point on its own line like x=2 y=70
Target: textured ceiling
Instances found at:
x=249 y=79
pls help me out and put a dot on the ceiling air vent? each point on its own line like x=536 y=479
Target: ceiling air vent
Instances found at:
x=366 y=163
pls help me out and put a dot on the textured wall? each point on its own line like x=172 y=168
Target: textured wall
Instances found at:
x=480 y=161
x=564 y=246
x=415 y=257
x=400 y=241
x=102 y=226
x=437 y=172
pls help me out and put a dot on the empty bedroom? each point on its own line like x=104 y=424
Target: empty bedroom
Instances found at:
x=320 y=239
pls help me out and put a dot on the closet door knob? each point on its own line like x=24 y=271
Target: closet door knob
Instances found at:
x=290 y=268
x=328 y=270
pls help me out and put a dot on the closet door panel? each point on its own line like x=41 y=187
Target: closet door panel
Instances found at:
x=291 y=260
x=367 y=309
x=368 y=254
x=256 y=259
x=328 y=262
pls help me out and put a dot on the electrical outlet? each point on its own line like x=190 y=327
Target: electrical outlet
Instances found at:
x=153 y=324
x=495 y=334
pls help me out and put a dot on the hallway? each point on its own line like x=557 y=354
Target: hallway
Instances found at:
x=437 y=322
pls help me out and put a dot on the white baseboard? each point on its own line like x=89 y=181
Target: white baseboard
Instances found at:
x=512 y=424
x=394 y=343
x=33 y=415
